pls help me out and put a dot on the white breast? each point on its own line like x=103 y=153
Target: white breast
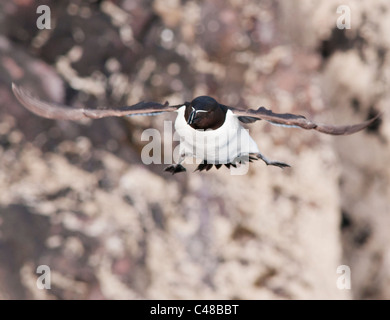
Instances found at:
x=222 y=145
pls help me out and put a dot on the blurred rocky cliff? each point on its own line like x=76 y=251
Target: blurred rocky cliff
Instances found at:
x=76 y=196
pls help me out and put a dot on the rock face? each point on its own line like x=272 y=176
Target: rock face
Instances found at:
x=77 y=197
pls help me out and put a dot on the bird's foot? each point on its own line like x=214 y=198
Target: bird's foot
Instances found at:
x=278 y=164
x=175 y=168
x=273 y=163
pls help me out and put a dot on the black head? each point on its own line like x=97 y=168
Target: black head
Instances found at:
x=205 y=113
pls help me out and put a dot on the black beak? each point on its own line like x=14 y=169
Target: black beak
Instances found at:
x=191 y=117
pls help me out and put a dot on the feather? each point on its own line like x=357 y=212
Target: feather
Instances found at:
x=292 y=120
x=63 y=112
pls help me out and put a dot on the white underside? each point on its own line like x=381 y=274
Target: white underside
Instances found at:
x=219 y=146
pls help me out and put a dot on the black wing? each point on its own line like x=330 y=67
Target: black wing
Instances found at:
x=292 y=120
x=63 y=112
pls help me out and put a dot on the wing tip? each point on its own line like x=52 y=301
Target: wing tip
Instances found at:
x=374 y=119
x=348 y=129
x=19 y=93
x=15 y=89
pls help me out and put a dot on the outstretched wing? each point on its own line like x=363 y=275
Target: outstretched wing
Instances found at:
x=62 y=112
x=292 y=120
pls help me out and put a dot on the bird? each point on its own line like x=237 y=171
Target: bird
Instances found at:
x=207 y=128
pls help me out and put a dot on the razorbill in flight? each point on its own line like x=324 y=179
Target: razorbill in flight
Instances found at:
x=207 y=129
